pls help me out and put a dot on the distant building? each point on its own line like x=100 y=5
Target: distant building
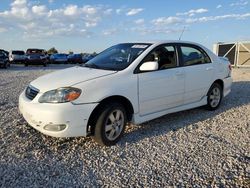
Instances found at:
x=238 y=53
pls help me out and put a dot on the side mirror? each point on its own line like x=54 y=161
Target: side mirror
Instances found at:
x=149 y=66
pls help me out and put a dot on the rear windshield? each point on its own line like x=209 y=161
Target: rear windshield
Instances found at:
x=35 y=51
x=18 y=52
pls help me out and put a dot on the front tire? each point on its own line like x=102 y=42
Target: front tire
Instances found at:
x=110 y=124
x=214 y=97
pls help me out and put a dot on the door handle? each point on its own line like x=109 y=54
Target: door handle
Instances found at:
x=209 y=68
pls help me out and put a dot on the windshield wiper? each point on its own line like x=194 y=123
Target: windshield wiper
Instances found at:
x=91 y=66
x=94 y=66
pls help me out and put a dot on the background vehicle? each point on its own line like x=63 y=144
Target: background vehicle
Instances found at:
x=36 y=57
x=87 y=57
x=6 y=52
x=4 y=60
x=129 y=82
x=75 y=58
x=59 y=58
x=17 y=56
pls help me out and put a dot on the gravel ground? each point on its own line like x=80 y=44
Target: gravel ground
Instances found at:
x=191 y=148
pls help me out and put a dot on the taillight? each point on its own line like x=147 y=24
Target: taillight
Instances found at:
x=230 y=67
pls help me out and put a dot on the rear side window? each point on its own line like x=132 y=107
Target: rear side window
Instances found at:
x=194 y=56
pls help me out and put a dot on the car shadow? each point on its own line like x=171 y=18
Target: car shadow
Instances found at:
x=239 y=96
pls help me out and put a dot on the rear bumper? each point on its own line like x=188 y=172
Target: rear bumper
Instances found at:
x=38 y=115
x=36 y=61
x=227 y=85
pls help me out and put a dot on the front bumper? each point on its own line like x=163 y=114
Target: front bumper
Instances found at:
x=17 y=60
x=38 y=115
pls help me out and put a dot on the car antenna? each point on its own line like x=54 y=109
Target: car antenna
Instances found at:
x=182 y=32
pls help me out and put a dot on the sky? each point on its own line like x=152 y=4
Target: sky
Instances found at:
x=91 y=25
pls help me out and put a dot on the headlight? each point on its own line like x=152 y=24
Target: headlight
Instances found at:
x=60 y=95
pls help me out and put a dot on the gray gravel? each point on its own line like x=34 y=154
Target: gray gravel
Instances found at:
x=191 y=148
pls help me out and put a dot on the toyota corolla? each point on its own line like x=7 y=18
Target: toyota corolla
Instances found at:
x=128 y=82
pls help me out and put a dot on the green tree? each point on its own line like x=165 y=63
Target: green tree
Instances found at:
x=52 y=50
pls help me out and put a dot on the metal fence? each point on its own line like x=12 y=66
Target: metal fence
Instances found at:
x=238 y=53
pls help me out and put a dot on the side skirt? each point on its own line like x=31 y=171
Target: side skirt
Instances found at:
x=137 y=119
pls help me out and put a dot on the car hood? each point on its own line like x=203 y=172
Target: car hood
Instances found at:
x=68 y=77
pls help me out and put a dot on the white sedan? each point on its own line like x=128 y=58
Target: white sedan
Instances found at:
x=129 y=82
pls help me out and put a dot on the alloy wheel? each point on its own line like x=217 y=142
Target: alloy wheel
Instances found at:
x=215 y=97
x=114 y=124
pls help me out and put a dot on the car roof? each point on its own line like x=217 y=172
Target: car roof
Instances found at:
x=36 y=49
x=158 y=42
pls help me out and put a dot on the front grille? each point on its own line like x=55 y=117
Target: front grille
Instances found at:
x=31 y=92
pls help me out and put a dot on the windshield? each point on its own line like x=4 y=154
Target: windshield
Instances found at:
x=18 y=52
x=2 y=54
x=117 y=57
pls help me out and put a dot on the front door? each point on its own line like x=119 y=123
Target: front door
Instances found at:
x=162 y=89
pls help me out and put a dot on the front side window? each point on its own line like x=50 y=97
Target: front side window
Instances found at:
x=165 y=55
x=117 y=57
x=193 y=56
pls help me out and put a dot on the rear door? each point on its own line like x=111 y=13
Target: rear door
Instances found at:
x=199 y=72
x=162 y=89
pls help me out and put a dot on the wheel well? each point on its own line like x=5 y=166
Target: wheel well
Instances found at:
x=220 y=82
x=119 y=99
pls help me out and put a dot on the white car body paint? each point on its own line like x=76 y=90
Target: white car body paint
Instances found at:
x=152 y=94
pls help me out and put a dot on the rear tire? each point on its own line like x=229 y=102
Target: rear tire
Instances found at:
x=214 y=97
x=110 y=125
